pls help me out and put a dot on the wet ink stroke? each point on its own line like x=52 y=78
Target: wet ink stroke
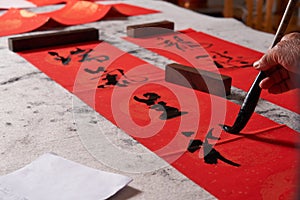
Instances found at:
x=211 y=155
x=83 y=54
x=168 y=112
x=108 y=78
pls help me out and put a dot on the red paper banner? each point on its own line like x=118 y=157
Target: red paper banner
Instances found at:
x=16 y=21
x=229 y=58
x=178 y=124
x=47 y=2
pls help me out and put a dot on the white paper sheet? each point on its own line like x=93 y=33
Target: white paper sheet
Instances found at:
x=51 y=177
x=6 y=4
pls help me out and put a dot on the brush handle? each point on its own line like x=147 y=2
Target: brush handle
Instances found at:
x=253 y=94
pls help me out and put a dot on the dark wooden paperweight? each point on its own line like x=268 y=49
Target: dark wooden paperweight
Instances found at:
x=205 y=81
x=36 y=41
x=150 y=29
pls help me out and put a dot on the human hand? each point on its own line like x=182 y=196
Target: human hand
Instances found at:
x=282 y=65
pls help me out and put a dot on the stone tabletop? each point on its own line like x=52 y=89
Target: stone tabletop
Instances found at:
x=38 y=116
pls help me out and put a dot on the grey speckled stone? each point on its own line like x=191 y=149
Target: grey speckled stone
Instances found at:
x=38 y=115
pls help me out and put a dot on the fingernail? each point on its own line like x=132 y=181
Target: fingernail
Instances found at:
x=256 y=64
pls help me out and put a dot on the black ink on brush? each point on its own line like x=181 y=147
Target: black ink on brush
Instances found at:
x=247 y=107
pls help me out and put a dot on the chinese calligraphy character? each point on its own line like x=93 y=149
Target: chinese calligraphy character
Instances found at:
x=211 y=155
x=168 y=112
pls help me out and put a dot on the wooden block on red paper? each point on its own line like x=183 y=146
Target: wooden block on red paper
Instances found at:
x=150 y=29
x=205 y=81
x=36 y=41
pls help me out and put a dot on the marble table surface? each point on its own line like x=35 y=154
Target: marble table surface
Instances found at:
x=37 y=115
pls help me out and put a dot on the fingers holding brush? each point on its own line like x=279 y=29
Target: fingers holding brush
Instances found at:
x=282 y=65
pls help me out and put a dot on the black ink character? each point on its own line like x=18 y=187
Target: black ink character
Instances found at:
x=223 y=55
x=99 y=69
x=86 y=57
x=179 y=43
x=206 y=45
x=112 y=78
x=224 y=58
x=202 y=56
x=77 y=51
x=151 y=98
x=209 y=135
x=194 y=145
x=168 y=111
x=63 y=60
x=218 y=65
x=190 y=44
x=169 y=43
x=83 y=54
x=211 y=155
x=188 y=133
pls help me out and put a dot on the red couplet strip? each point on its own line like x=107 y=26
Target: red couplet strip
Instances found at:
x=16 y=21
x=51 y=2
x=230 y=59
x=20 y=21
x=131 y=10
x=178 y=124
x=47 y=2
x=80 y=12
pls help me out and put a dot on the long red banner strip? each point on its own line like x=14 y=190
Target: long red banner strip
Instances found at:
x=16 y=21
x=230 y=59
x=47 y=2
x=178 y=124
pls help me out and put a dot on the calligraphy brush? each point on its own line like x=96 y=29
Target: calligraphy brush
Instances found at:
x=252 y=96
